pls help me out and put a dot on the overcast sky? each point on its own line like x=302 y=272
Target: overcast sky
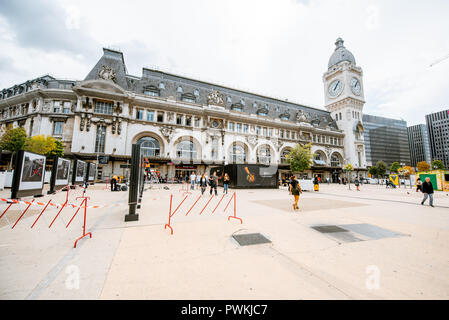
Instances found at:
x=278 y=48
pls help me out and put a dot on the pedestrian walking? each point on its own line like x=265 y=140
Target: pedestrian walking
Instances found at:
x=213 y=182
x=418 y=185
x=295 y=190
x=198 y=179
x=225 y=183
x=203 y=183
x=192 y=181
x=316 y=181
x=357 y=183
x=427 y=189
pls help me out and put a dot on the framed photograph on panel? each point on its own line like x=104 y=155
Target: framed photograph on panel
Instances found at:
x=29 y=172
x=60 y=174
x=91 y=171
x=79 y=172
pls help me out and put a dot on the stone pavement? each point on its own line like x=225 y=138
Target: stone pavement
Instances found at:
x=387 y=246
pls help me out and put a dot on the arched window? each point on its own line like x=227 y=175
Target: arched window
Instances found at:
x=149 y=147
x=284 y=154
x=264 y=154
x=319 y=159
x=237 y=154
x=186 y=150
x=335 y=161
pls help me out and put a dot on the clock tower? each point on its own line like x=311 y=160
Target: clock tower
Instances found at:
x=344 y=99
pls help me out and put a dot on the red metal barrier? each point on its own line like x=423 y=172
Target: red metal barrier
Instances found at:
x=234 y=196
x=63 y=206
x=193 y=205
x=29 y=205
x=207 y=203
x=172 y=214
x=40 y=214
x=85 y=217
x=218 y=203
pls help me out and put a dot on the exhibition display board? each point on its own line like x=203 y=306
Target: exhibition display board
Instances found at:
x=60 y=174
x=79 y=172
x=29 y=172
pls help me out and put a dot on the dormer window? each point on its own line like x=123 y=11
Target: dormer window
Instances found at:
x=255 y=104
x=285 y=116
x=151 y=91
x=196 y=92
x=188 y=97
x=237 y=107
x=179 y=89
x=161 y=85
x=262 y=112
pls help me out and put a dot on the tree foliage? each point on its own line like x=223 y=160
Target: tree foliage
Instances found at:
x=42 y=144
x=437 y=164
x=59 y=150
x=373 y=171
x=13 y=139
x=300 y=158
x=381 y=168
x=408 y=170
x=423 y=166
x=395 y=167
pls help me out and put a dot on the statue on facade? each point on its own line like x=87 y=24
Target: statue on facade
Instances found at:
x=301 y=116
x=215 y=98
x=106 y=73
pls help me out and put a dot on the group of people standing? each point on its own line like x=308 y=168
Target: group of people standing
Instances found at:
x=202 y=181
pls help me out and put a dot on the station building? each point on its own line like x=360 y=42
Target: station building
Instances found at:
x=185 y=125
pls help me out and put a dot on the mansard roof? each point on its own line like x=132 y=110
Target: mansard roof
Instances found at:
x=178 y=86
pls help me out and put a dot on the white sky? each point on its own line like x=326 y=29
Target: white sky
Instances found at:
x=279 y=48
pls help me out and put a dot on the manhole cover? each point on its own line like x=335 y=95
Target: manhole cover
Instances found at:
x=329 y=229
x=250 y=239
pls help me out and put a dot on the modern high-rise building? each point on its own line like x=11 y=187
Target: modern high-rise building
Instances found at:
x=418 y=140
x=385 y=139
x=438 y=129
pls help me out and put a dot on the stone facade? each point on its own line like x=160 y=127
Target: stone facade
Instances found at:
x=183 y=124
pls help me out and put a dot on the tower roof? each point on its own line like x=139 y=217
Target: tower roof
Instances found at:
x=340 y=54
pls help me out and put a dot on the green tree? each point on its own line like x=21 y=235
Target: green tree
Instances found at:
x=300 y=158
x=13 y=139
x=437 y=165
x=373 y=171
x=395 y=167
x=423 y=166
x=59 y=149
x=381 y=168
x=41 y=144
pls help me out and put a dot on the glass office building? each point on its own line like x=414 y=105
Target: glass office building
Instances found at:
x=385 y=139
x=418 y=139
x=438 y=129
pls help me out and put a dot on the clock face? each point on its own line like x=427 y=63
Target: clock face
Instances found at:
x=335 y=88
x=355 y=86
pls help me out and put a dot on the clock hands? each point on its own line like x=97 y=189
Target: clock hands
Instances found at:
x=335 y=88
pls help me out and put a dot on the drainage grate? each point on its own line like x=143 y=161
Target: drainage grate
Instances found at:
x=329 y=229
x=250 y=239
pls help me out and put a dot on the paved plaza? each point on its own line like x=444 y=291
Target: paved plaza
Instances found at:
x=375 y=243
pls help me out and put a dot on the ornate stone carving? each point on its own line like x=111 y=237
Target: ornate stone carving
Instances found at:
x=119 y=129
x=252 y=140
x=106 y=73
x=117 y=108
x=88 y=122
x=113 y=125
x=305 y=136
x=47 y=106
x=82 y=122
x=167 y=132
x=301 y=116
x=215 y=98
